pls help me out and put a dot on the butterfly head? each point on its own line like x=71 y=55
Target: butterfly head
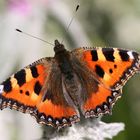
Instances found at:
x=58 y=47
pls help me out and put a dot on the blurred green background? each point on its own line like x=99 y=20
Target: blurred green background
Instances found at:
x=97 y=23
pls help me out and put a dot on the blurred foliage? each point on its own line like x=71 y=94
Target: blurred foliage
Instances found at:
x=2 y=5
x=100 y=22
x=57 y=31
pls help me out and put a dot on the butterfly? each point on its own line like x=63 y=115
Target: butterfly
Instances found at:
x=57 y=90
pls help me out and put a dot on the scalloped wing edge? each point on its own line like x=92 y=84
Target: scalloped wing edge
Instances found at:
x=106 y=107
x=41 y=118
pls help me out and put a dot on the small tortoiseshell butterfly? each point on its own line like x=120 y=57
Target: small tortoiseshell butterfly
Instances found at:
x=56 y=90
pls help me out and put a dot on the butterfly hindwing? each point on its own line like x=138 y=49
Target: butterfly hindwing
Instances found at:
x=110 y=68
x=53 y=109
x=100 y=102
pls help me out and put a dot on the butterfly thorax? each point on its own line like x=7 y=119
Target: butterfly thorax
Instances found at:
x=70 y=80
x=62 y=57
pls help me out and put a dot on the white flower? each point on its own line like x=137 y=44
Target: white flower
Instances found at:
x=92 y=130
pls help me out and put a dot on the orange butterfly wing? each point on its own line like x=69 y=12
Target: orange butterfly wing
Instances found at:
x=22 y=91
x=25 y=91
x=110 y=68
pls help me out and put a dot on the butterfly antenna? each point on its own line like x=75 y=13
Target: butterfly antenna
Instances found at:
x=18 y=30
x=76 y=9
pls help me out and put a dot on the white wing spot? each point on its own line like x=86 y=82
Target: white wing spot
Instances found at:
x=130 y=54
x=1 y=88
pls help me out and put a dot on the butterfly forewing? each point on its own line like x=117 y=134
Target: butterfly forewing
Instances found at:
x=22 y=91
x=111 y=66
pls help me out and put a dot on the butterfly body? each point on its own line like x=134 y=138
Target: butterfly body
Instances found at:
x=56 y=89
